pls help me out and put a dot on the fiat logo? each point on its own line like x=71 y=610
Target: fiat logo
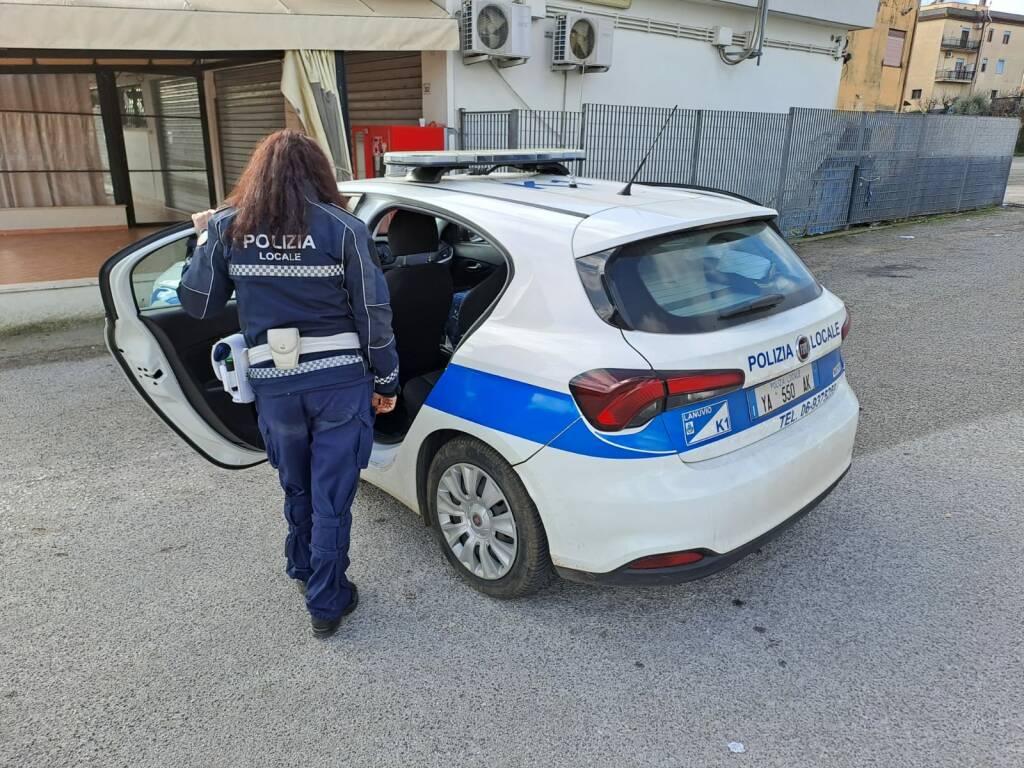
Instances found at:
x=803 y=347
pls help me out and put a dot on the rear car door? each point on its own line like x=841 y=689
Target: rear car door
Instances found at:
x=165 y=353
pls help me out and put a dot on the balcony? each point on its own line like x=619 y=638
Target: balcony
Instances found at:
x=960 y=44
x=958 y=75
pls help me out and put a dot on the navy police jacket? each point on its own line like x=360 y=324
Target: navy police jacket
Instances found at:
x=323 y=282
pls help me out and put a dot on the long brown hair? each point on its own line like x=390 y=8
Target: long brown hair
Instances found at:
x=271 y=194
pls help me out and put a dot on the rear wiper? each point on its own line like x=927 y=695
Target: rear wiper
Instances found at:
x=754 y=305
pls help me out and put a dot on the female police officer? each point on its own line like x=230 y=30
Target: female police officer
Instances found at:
x=313 y=307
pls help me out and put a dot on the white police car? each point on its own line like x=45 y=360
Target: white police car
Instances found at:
x=636 y=388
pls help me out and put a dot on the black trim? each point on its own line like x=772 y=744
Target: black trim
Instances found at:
x=391 y=202
x=480 y=193
x=204 y=121
x=711 y=190
x=113 y=132
x=108 y=332
x=713 y=562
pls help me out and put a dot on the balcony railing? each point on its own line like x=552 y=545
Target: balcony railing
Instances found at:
x=959 y=43
x=959 y=75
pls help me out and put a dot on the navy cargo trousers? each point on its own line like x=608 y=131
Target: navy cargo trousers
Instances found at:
x=318 y=440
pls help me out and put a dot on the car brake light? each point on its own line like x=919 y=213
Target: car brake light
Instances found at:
x=846 y=326
x=668 y=560
x=616 y=399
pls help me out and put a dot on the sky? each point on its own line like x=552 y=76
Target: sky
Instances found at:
x=1010 y=6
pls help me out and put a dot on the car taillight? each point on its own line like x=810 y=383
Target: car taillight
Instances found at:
x=846 y=325
x=613 y=399
x=668 y=560
x=616 y=399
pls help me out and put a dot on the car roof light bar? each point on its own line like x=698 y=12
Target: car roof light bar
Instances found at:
x=431 y=166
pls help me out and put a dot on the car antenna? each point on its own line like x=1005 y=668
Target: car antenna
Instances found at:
x=628 y=189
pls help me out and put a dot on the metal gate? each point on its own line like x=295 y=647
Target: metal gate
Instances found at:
x=181 y=142
x=249 y=106
x=384 y=88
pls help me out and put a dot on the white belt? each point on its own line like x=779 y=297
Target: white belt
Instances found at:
x=307 y=344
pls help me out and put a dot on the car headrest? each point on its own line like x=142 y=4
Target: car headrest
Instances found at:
x=412 y=232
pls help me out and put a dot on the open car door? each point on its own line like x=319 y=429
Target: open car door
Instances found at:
x=166 y=354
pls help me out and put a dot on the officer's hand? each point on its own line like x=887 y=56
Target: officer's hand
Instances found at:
x=383 y=404
x=201 y=219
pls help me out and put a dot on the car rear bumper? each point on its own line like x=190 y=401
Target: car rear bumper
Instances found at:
x=602 y=514
x=711 y=564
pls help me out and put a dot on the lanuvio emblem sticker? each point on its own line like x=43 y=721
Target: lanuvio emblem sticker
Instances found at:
x=705 y=422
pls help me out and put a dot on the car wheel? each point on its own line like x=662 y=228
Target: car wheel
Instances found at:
x=485 y=522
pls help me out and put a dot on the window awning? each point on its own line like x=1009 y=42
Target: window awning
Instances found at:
x=227 y=25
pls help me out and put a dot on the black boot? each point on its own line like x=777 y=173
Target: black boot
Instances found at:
x=327 y=627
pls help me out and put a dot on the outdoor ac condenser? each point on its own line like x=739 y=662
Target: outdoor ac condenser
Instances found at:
x=492 y=29
x=582 y=41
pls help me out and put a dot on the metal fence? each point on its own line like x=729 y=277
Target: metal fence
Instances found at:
x=822 y=169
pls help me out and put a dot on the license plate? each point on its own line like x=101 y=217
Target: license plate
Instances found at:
x=780 y=392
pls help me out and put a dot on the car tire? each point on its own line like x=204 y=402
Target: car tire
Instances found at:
x=530 y=568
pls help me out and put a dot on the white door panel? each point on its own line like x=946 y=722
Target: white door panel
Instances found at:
x=132 y=343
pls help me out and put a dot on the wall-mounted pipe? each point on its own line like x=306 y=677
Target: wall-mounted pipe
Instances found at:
x=755 y=45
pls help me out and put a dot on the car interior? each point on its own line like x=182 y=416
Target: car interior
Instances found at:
x=433 y=305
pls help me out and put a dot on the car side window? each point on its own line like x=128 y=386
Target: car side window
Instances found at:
x=155 y=278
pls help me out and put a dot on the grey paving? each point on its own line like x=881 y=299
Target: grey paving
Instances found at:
x=145 y=621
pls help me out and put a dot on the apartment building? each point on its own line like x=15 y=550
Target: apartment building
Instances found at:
x=961 y=49
x=875 y=60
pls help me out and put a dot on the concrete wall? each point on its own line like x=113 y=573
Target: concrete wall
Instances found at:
x=659 y=69
x=867 y=84
x=65 y=217
x=848 y=14
x=32 y=305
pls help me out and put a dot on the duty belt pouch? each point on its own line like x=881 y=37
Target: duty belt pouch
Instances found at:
x=284 y=347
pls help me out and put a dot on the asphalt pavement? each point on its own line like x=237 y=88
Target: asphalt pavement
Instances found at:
x=145 y=619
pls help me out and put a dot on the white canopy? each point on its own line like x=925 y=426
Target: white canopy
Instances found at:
x=227 y=25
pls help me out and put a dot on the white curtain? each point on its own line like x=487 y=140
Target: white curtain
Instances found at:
x=310 y=84
x=50 y=153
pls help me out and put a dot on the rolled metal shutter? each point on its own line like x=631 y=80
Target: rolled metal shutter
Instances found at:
x=384 y=88
x=180 y=139
x=249 y=106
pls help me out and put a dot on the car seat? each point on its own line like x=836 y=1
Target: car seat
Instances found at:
x=420 y=296
x=475 y=303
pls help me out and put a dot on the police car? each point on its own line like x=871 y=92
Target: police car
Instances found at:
x=632 y=385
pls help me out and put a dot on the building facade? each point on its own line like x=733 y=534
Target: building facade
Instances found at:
x=122 y=116
x=876 y=59
x=663 y=55
x=962 y=49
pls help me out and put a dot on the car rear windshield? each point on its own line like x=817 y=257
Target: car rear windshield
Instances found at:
x=700 y=280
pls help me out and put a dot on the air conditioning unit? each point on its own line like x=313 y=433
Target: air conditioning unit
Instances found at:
x=492 y=29
x=582 y=41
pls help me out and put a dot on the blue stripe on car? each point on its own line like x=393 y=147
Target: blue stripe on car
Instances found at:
x=545 y=415
x=510 y=406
